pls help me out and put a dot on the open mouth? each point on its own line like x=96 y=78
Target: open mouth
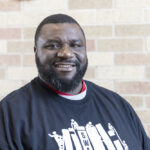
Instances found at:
x=65 y=66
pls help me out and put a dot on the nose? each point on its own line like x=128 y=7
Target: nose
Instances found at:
x=65 y=52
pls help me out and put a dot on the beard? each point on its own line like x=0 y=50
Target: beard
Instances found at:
x=48 y=74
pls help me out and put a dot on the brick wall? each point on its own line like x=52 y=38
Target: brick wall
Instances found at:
x=118 y=44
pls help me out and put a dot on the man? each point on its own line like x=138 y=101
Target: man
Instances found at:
x=58 y=110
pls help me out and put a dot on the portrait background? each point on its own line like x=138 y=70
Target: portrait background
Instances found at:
x=118 y=44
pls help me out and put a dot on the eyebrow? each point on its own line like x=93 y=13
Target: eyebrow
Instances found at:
x=53 y=40
x=74 y=40
x=59 y=40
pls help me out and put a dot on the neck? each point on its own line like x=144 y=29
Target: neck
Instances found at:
x=77 y=90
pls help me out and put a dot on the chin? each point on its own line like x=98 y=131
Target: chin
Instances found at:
x=66 y=79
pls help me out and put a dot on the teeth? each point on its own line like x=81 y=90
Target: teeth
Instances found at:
x=64 y=66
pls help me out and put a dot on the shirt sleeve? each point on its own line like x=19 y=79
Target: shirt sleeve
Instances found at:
x=135 y=122
x=140 y=129
x=3 y=132
x=143 y=138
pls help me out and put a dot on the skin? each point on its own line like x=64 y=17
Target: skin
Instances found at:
x=62 y=45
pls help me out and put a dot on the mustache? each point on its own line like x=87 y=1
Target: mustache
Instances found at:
x=76 y=62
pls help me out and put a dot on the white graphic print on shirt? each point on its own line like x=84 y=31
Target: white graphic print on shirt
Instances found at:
x=89 y=137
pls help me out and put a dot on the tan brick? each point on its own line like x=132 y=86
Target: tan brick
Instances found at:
x=147 y=44
x=97 y=58
x=8 y=86
x=29 y=33
x=103 y=83
x=148 y=72
x=24 y=82
x=90 y=73
x=10 y=33
x=148 y=130
x=83 y=4
x=119 y=16
x=132 y=87
x=133 y=3
x=2 y=73
x=132 y=59
x=3 y=46
x=148 y=102
x=90 y=45
x=3 y=20
x=144 y=116
x=83 y=16
x=25 y=18
x=21 y=46
x=120 y=45
x=50 y=5
x=29 y=60
x=10 y=60
x=119 y=73
x=9 y=5
x=147 y=15
x=145 y=125
x=132 y=30
x=57 y=4
x=97 y=31
x=135 y=101
x=30 y=5
x=22 y=73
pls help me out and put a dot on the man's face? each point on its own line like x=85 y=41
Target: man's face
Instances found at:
x=61 y=55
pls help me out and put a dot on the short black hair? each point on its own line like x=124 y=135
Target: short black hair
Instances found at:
x=56 y=18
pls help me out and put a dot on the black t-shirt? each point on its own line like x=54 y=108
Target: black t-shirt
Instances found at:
x=36 y=118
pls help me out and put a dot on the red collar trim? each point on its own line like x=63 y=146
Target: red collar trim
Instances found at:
x=61 y=93
x=83 y=87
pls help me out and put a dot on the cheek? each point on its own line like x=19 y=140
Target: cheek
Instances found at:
x=45 y=57
x=42 y=58
x=83 y=58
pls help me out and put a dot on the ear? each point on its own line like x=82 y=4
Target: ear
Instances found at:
x=35 y=49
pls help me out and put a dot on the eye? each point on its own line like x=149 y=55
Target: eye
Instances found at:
x=75 y=45
x=53 y=46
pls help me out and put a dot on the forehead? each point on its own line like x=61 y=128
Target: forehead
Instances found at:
x=61 y=30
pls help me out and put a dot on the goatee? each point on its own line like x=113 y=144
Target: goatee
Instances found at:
x=48 y=74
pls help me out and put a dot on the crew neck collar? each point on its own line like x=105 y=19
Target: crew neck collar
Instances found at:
x=79 y=96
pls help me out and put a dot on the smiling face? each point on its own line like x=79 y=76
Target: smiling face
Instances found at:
x=61 y=56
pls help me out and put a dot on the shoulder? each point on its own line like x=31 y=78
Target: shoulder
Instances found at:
x=113 y=99
x=101 y=90
x=107 y=95
x=118 y=102
x=19 y=94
